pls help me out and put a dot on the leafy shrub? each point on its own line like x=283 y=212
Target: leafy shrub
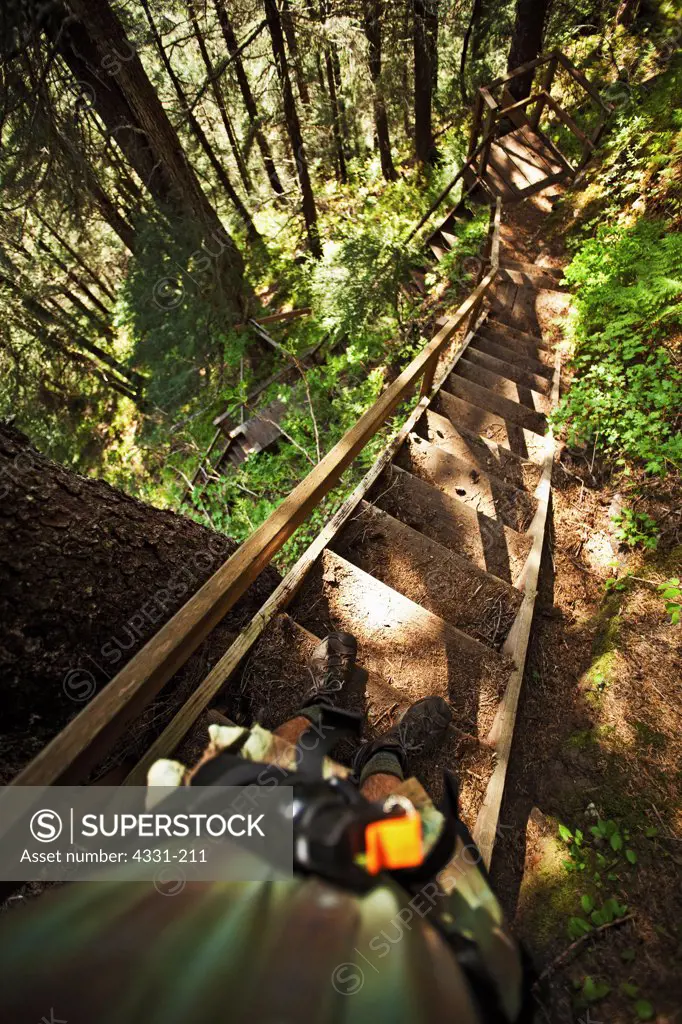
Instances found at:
x=635 y=528
x=627 y=392
x=671 y=592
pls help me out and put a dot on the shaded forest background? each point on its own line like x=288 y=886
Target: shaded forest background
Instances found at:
x=171 y=169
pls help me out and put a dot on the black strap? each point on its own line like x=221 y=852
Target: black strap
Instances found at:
x=320 y=738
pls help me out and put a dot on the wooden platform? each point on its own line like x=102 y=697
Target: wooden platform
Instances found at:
x=522 y=163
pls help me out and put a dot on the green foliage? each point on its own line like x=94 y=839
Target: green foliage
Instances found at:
x=635 y=528
x=594 y=989
x=627 y=391
x=644 y=1010
x=671 y=592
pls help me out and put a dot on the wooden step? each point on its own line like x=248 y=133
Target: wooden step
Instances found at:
x=521 y=313
x=414 y=650
x=514 y=392
x=525 y=143
x=481 y=491
x=537 y=281
x=522 y=348
x=511 y=372
x=485 y=541
x=494 y=348
x=430 y=574
x=485 y=455
x=512 y=412
x=275 y=680
x=490 y=426
x=438 y=251
x=534 y=341
x=532 y=269
x=449 y=239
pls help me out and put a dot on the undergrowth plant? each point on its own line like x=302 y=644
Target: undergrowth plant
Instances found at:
x=636 y=528
x=627 y=391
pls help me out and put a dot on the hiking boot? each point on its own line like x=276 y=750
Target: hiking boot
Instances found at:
x=419 y=731
x=331 y=666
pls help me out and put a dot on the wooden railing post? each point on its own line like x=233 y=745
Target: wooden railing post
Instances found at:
x=491 y=257
x=475 y=125
x=489 y=118
x=429 y=374
x=546 y=86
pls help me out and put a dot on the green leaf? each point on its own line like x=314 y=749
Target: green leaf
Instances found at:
x=644 y=1009
x=616 y=842
x=629 y=990
x=578 y=926
x=565 y=833
x=587 y=903
x=593 y=989
x=631 y=856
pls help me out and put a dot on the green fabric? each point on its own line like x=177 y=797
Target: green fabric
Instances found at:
x=383 y=762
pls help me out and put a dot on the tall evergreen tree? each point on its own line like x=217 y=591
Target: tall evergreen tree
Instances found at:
x=247 y=96
x=293 y=126
x=372 y=11
x=529 y=30
x=425 y=148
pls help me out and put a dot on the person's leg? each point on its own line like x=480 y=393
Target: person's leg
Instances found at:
x=380 y=764
x=331 y=666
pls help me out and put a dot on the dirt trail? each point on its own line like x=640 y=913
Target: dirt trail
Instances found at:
x=597 y=737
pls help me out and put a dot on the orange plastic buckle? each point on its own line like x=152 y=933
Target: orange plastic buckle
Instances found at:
x=394 y=842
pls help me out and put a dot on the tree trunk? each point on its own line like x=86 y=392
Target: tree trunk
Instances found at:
x=482 y=23
x=526 y=44
x=627 y=12
x=372 y=12
x=72 y=276
x=87 y=576
x=76 y=256
x=473 y=21
x=425 y=148
x=292 y=44
x=94 y=45
x=293 y=126
x=407 y=79
x=431 y=25
x=200 y=134
x=247 y=96
x=336 y=118
x=219 y=99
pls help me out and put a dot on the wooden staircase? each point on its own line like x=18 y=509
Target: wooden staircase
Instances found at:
x=432 y=561
x=434 y=572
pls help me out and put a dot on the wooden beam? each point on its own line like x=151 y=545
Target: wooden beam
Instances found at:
x=520 y=104
x=568 y=121
x=88 y=738
x=475 y=124
x=545 y=87
x=516 y=116
x=275 y=318
x=583 y=81
x=515 y=647
x=522 y=69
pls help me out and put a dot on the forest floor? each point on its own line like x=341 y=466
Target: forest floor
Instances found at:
x=588 y=858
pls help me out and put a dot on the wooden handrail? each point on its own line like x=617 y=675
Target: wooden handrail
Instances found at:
x=467 y=165
x=520 y=104
x=568 y=121
x=89 y=737
x=523 y=69
x=569 y=66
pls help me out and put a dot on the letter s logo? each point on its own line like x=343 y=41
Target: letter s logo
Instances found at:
x=46 y=826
